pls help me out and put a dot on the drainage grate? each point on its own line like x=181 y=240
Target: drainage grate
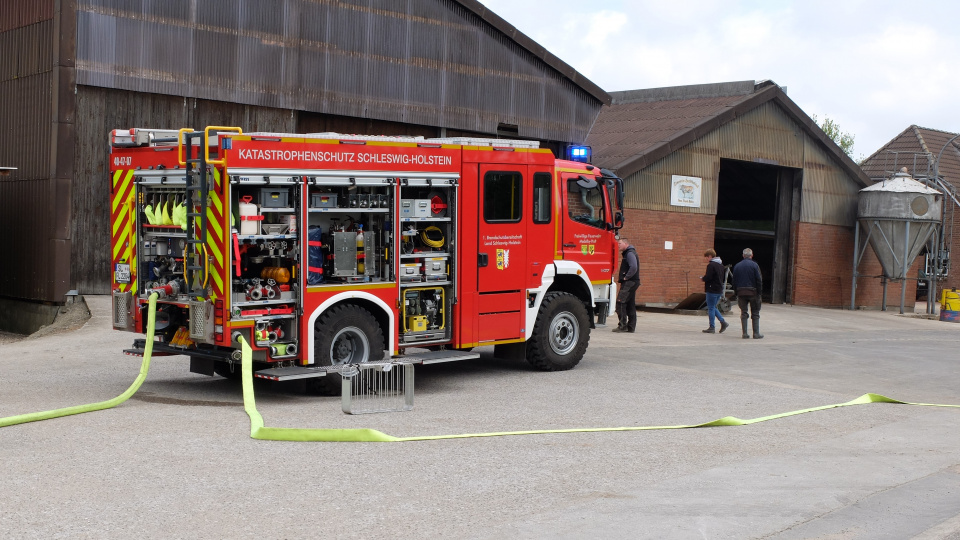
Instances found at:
x=377 y=387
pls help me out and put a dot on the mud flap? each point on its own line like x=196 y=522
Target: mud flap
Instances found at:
x=203 y=366
x=510 y=351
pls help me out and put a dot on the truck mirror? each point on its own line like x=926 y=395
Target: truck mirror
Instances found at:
x=586 y=183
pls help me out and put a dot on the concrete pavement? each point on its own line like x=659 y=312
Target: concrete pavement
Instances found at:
x=177 y=461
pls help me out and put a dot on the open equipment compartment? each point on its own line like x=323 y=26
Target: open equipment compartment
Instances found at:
x=266 y=271
x=427 y=258
x=350 y=228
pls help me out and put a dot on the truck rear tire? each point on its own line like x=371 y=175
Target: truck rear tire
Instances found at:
x=561 y=333
x=344 y=335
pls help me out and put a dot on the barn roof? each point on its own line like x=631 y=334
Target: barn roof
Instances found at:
x=917 y=148
x=640 y=127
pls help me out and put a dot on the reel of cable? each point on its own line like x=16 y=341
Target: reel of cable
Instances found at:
x=432 y=237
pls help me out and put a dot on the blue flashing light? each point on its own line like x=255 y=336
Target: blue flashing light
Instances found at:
x=578 y=153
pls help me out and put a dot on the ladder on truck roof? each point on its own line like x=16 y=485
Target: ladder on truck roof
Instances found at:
x=419 y=139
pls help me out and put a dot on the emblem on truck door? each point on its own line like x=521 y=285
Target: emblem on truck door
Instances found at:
x=503 y=258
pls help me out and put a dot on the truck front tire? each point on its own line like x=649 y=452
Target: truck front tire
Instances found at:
x=561 y=333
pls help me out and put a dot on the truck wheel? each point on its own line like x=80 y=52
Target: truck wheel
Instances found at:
x=561 y=333
x=344 y=335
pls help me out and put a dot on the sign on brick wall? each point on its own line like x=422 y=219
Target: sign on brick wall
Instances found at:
x=685 y=191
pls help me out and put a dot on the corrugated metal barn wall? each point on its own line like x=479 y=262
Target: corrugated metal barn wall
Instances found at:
x=34 y=130
x=425 y=62
x=102 y=110
x=829 y=195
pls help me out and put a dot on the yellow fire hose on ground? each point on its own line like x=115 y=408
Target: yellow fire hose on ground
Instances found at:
x=78 y=409
x=259 y=431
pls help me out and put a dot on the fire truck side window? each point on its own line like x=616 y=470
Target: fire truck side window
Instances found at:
x=502 y=197
x=585 y=204
x=541 y=198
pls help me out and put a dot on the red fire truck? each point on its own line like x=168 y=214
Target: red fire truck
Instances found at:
x=327 y=249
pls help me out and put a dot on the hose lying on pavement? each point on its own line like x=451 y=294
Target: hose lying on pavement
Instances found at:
x=259 y=431
x=78 y=409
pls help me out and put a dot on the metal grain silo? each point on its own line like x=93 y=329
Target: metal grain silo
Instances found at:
x=898 y=215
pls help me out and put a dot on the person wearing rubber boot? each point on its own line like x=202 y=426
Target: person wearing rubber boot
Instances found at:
x=749 y=284
x=713 y=286
x=629 y=283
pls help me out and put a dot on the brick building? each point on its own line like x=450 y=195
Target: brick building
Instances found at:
x=729 y=166
x=919 y=149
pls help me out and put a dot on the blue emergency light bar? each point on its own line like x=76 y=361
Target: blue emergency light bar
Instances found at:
x=579 y=153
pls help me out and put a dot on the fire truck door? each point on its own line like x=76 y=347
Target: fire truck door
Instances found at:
x=501 y=257
x=586 y=239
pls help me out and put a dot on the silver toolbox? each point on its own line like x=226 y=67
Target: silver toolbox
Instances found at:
x=410 y=272
x=415 y=208
x=435 y=266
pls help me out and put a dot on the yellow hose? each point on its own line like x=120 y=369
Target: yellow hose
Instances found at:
x=259 y=431
x=78 y=409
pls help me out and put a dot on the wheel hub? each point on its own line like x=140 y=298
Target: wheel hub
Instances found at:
x=564 y=333
x=349 y=346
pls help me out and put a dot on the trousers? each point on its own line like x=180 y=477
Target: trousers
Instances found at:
x=712 y=311
x=627 y=305
x=753 y=304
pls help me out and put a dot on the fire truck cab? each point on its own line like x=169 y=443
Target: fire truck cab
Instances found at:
x=326 y=249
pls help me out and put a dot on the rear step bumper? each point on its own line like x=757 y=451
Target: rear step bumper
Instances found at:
x=307 y=372
x=162 y=349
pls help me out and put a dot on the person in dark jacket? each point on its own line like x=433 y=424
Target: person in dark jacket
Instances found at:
x=713 y=286
x=749 y=284
x=629 y=280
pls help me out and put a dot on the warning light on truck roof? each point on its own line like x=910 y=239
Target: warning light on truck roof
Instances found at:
x=578 y=153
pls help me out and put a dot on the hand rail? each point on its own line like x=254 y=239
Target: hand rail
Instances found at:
x=180 y=139
x=206 y=149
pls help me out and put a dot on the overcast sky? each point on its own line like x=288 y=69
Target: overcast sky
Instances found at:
x=873 y=66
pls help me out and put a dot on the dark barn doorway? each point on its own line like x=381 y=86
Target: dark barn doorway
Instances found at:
x=754 y=210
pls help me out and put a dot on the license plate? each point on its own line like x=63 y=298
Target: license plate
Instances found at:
x=122 y=273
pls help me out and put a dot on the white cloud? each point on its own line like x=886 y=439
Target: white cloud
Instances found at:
x=874 y=66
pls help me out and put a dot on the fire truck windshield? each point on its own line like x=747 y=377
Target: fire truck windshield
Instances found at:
x=586 y=203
